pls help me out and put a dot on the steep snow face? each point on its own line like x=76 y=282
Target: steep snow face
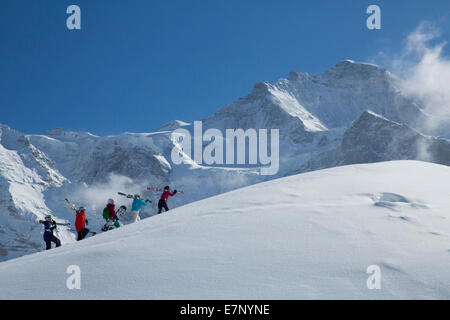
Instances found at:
x=88 y=158
x=266 y=107
x=25 y=173
x=173 y=125
x=374 y=138
x=255 y=243
x=31 y=156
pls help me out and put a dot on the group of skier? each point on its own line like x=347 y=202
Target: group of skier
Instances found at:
x=110 y=214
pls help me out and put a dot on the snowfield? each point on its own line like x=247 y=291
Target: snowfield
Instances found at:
x=308 y=236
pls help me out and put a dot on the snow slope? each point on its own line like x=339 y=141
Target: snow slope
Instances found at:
x=306 y=236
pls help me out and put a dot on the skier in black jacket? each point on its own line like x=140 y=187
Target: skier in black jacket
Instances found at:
x=49 y=237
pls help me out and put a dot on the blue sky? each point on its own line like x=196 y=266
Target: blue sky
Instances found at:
x=136 y=65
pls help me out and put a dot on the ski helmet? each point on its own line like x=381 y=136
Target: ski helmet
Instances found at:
x=48 y=217
x=111 y=201
x=80 y=209
x=166 y=188
x=137 y=196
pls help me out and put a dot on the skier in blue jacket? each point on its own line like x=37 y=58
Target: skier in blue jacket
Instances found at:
x=137 y=206
x=49 y=237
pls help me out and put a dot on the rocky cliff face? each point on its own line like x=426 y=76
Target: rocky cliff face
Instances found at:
x=373 y=138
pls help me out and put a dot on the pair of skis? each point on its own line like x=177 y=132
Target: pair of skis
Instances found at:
x=57 y=223
x=161 y=190
x=70 y=204
x=130 y=196
x=90 y=232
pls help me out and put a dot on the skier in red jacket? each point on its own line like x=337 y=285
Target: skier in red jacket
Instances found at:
x=80 y=223
x=162 y=203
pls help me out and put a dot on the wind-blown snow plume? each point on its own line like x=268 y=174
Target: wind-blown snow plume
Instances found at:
x=425 y=71
x=95 y=196
x=429 y=79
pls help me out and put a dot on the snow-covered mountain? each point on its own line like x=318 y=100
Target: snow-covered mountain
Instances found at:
x=312 y=103
x=280 y=239
x=373 y=138
x=313 y=111
x=323 y=122
x=25 y=172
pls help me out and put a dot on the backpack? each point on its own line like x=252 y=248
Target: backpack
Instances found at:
x=106 y=213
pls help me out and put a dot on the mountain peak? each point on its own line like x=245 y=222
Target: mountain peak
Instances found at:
x=260 y=89
x=345 y=62
x=173 y=125
x=261 y=86
x=54 y=132
x=356 y=71
x=299 y=76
